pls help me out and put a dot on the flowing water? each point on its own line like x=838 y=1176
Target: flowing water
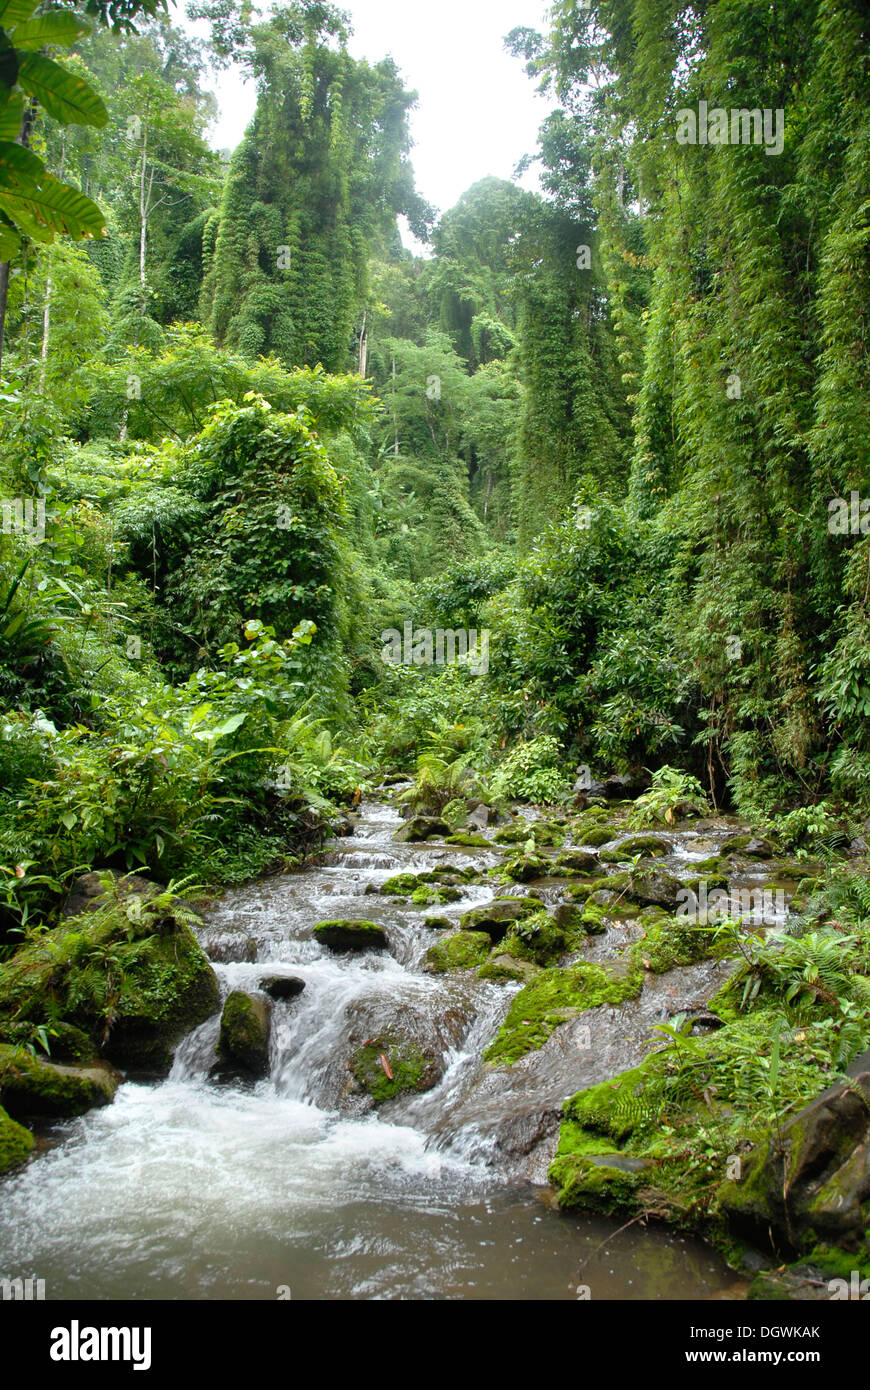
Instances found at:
x=197 y=1187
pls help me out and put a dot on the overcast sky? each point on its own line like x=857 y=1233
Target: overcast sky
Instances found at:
x=477 y=114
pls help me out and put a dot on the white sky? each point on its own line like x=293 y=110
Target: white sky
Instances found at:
x=477 y=113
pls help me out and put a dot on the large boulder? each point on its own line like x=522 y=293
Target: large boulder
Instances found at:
x=35 y=1086
x=810 y=1185
x=351 y=936
x=243 y=1043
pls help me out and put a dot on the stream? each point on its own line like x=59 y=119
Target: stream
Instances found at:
x=193 y=1187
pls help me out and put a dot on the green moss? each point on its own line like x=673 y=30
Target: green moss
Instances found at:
x=462 y=951
x=527 y=867
x=555 y=996
x=650 y=846
x=496 y=917
x=244 y=1032
x=341 y=934
x=411 y=1069
x=400 y=885
x=588 y=1184
x=598 y=835
x=469 y=841
x=34 y=1086
x=502 y=968
x=16 y=1143
x=672 y=941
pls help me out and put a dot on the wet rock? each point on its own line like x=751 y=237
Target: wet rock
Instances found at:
x=229 y=947
x=422 y=828
x=415 y=1039
x=389 y=1064
x=282 y=986
x=353 y=935
x=812 y=1182
x=437 y=923
x=655 y=887
x=244 y=1035
x=35 y=1086
x=469 y=841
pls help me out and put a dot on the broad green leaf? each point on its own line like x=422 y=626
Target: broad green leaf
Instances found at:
x=16 y=11
x=21 y=171
x=10 y=242
x=229 y=726
x=10 y=118
x=65 y=97
x=61 y=28
x=53 y=209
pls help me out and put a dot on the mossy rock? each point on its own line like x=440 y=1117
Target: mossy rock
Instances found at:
x=578 y=862
x=528 y=867
x=469 y=841
x=555 y=996
x=400 y=885
x=351 y=935
x=613 y=856
x=514 y=834
x=655 y=887
x=420 y=828
x=134 y=981
x=596 y=1182
x=464 y=950
x=36 y=1086
x=502 y=969
x=437 y=923
x=16 y=1143
x=714 y=865
x=673 y=941
x=538 y=939
x=495 y=918
x=410 y=1068
x=244 y=1032
x=597 y=835
x=650 y=846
